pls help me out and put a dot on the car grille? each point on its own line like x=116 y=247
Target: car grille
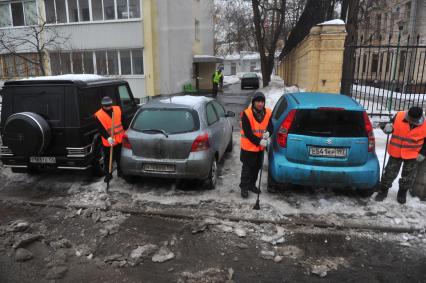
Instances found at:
x=79 y=151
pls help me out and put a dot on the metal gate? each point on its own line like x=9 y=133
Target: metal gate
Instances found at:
x=388 y=77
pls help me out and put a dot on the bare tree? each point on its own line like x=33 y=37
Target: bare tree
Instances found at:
x=268 y=19
x=37 y=39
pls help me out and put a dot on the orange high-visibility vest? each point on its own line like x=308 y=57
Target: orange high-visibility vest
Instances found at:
x=257 y=128
x=406 y=143
x=106 y=121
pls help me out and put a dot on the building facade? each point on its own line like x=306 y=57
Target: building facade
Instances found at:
x=149 y=43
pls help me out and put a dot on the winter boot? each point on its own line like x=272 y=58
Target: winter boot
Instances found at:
x=382 y=194
x=402 y=196
x=244 y=193
x=255 y=190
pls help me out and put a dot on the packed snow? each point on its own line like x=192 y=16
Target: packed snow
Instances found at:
x=333 y=22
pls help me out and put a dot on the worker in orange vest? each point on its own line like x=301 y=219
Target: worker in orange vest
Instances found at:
x=256 y=128
x=407 y=146
x=104 y=123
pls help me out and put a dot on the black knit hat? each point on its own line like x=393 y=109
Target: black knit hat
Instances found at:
x=415 y=115
x=106 y=101
x=258 y=96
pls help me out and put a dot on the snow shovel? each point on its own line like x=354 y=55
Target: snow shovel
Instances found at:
x=257 y=205
x=111 y=151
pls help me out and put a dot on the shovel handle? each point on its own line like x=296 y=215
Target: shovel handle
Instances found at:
x=111 y=149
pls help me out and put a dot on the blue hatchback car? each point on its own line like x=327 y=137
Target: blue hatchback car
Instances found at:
x=322 y=140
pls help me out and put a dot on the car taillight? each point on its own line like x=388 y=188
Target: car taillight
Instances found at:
x=284 y=128
x=201 y=143
x=370 y=133
x=125 y=142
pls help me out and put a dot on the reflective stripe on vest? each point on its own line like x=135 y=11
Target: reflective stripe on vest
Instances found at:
x=406 y=143
x=217 y=77
x=106 y=122
x=257 y=129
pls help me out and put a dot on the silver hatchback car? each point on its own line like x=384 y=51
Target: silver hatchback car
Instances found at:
x=179 y=137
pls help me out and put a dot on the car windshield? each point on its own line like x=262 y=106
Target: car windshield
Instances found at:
x=166 y=121
x=328 y=123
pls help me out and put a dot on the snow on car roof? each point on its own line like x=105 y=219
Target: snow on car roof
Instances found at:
x=189 y=100
x=68 y=77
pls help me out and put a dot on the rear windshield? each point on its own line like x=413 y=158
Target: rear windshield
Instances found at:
x=172 y=121
x=329 y=123
x=250 y=75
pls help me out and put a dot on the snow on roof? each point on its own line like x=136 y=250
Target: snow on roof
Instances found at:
x=68 y=77
x=333 y=22
x=185 y=99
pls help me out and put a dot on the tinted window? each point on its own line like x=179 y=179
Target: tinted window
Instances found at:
x=279 y=108
x=172 y=121
x=126 y=101
x=211 y=114
x=219 y=109
x=326 y=123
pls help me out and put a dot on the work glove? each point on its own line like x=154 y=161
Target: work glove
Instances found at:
x=263 y=142
x=388 y=129
x=265 y=135
x=111 y=141
x=420 y=158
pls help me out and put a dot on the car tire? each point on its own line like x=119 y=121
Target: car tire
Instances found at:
x=97 y=169
x=271 y=185
x=242 y=86
x=365 y=193
x=230 y=144
x=22 y=127
x=210 y=182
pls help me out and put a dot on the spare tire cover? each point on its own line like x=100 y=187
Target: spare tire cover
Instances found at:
x=26 y=134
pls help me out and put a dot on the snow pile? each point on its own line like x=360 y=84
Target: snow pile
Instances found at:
x=230 y=80
x=334 y=22
x=276 y=89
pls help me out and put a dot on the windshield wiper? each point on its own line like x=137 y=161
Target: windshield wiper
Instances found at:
x=157 y=131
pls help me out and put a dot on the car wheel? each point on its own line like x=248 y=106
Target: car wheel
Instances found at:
x=210 y=182
x=97 y=163
x=242 y=86
x=365 y=193
x=271 y=186
x=230 y=144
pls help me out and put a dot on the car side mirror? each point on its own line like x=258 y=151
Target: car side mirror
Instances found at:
x=137 y=100
x=230 y=114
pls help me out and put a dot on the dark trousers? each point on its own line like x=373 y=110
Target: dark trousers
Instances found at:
x=408 y=175
x=215 y=89
x=116 y=155
x=252 y=162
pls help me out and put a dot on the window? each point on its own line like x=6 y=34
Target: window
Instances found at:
x=279 y=108
x=109 y=9
x=125 y=62
x=126 y=101
x=197 y=30
x=112 y=63
x=211 y=114
x=101 y=63
x=137 y=59
x=88 y=62
x=122 y=12
x=5 y=20
x=172 y=121
x=84 y=10
x=49 y=6
x=233 y=68
x=55 y=63
x=375 y=63
x=97 y=13
x=219 y=109
x=134 y=9
x=73 y=11
x=77 y=63
x=61 y=11
x=30 y=9
x=364 y=63
x=65 y=63
x=17 y=14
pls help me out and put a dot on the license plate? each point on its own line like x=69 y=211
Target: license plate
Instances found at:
x=327 y=152
x=42 y=159
x=159 y=167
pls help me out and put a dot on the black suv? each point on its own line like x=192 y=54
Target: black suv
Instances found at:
x=49 y=122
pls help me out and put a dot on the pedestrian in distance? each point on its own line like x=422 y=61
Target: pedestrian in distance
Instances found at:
x=406 y=147
x=256 y=128
x=109 y=124
x=217 y=80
